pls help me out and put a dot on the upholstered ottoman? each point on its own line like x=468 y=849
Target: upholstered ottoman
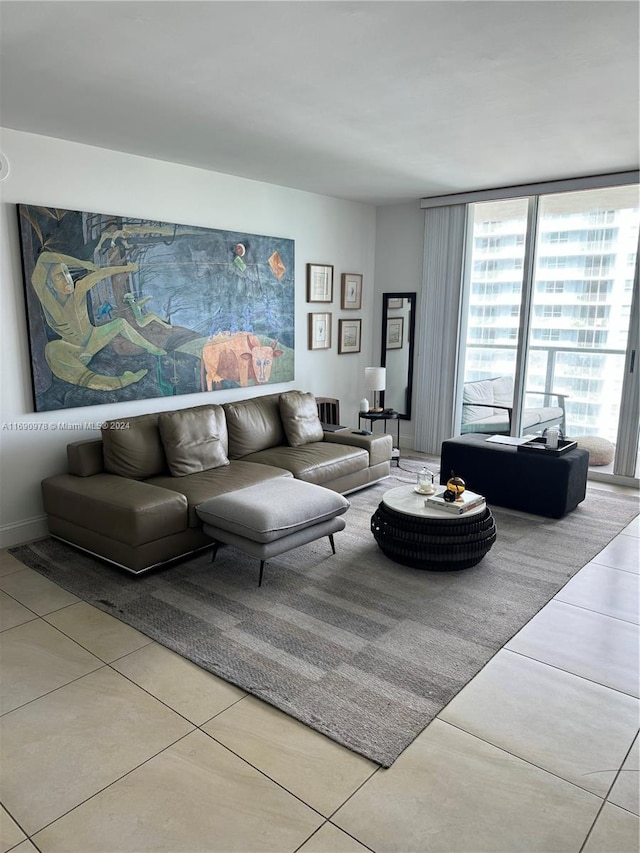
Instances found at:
x=270 y=518
x=530 y=482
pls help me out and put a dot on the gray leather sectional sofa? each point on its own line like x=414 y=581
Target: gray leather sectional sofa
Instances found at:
x=130 y=497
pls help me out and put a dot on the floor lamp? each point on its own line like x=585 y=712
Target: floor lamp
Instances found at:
x=375 y=379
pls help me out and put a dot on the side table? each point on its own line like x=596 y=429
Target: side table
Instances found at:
x=373 y=417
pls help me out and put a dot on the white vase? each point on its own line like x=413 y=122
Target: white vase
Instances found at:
x=364 y=405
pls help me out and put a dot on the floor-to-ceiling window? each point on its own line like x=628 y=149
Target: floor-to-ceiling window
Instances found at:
x=549 y=287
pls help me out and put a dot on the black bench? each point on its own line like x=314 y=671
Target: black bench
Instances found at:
x=530 y=482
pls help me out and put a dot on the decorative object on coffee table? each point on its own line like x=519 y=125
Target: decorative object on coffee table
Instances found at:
x=426 y=482
x=456 y=485
x=412 y=533
x=446 y=500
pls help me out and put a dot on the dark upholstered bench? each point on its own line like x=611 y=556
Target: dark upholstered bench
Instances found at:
x=529 y=482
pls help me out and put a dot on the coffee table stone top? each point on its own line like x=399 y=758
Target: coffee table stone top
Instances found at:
x=405 y=499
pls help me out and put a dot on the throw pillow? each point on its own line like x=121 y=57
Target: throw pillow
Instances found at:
x=192 y=440
x=300 y=420
x=132 y=447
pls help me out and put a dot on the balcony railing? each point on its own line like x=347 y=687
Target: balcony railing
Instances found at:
x=595 y=413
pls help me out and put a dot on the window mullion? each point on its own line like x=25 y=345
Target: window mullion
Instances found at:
x=525 y=315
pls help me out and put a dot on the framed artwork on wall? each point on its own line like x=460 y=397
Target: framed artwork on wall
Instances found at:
x=319 y=283
x=349 y=336
x=122 y=308
x=394 y=302
x=395 y=332
x=320 y=330
x=351 y=298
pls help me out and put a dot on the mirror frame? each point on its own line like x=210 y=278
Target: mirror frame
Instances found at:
x=411 y=296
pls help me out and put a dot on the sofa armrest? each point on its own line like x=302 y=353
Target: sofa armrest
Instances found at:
x=492 y=406
x=378 y=446
x=561 y=398
x=85 y=458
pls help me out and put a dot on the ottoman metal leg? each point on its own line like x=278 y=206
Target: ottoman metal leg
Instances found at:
x=262 y=562
x=251 y=548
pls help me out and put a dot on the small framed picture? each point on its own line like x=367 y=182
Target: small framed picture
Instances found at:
x=349 y=336
x=319 y=283
x=351 y=299
x=395 y=332
x=395 y=302
x=320 y=331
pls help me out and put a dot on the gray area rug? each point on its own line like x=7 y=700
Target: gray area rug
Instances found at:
x=354 y=645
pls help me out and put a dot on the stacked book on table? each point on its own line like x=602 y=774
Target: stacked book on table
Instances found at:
x=468 y=500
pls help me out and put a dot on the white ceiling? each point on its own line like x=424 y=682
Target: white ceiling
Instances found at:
x=369 y=100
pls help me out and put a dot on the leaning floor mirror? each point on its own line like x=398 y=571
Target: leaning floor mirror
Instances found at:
x=398 y=331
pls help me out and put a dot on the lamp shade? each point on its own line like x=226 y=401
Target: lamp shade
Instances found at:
x=375 y=378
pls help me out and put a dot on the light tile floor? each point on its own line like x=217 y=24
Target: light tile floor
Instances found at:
x=110 y=742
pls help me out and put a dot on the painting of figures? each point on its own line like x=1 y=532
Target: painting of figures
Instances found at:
x=126 y=309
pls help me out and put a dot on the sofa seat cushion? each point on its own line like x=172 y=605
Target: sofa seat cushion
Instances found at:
x=194 y=439
x=490 y=424
x=318 y=463
x=299 y=413
x=203 y=485
x=125 y=510
x=272 y=510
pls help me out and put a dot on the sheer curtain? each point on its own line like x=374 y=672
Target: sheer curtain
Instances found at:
x=436 y=357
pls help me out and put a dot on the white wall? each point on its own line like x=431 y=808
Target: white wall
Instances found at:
x=399 y=259
x=55 y=173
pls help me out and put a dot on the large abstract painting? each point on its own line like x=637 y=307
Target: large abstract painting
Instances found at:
x=125 y=309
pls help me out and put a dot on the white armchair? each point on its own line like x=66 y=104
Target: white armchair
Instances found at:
x=487 y=406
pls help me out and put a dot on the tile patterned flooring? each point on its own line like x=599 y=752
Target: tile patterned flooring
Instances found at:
x=110 y=742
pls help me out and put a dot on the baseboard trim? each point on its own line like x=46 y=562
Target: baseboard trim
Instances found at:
x=23 y=531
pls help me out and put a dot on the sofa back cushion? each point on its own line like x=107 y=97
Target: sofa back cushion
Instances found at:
x=503 y=392
x=194 y=439
x=254 y=425
x=299 y=413
x=477 y=392
x=132 y=447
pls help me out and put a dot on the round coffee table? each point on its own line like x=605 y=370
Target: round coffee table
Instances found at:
x=410 y=533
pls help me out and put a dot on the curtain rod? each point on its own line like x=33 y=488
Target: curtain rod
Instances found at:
x=567 y=185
